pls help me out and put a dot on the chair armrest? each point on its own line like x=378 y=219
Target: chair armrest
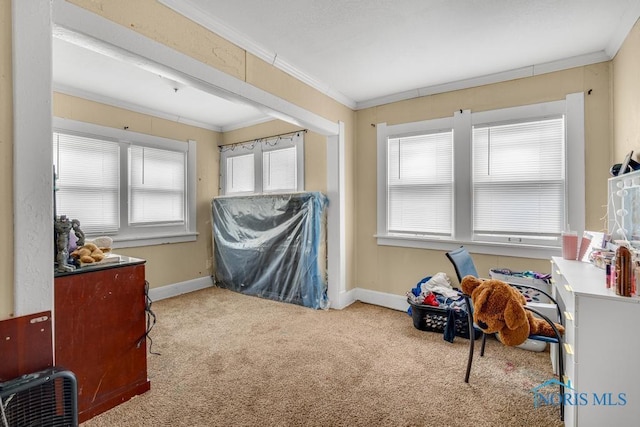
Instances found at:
x=546 y=319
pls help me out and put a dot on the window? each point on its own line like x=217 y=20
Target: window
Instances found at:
x=519 y=180
x=240 y=174
x=494 y=180
x=420 y=183
x=263 y=166
x=99 y=190
x=136 y=188
x=279 y=172
x=156 y=186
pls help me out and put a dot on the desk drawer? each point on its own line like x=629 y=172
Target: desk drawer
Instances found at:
x=569 y=370
x=562 y=290
x=569 y=328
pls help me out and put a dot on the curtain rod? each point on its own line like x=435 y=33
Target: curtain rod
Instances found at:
x=263 y=138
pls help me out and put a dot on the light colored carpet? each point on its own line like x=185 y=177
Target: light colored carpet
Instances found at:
x=233 y=360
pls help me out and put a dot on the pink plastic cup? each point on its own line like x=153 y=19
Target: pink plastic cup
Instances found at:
x=570 y=245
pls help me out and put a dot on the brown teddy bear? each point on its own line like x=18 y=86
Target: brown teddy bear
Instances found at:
x=498 y=308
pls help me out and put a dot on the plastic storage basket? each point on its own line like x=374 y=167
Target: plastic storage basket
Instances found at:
x=434 y=319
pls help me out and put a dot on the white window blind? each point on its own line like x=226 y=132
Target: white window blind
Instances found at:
x=279 y=171
x=267 y=165
x=240 y=177
x=88 y=181
x=420 y=184
x=519 y=178
x=156 y=186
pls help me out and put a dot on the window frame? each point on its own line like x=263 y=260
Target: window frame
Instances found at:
x=397 y=131
x=257 y=148
x=62 y=177
x=462 y=121
x=520 y=115
x=411 y=183
x=142 y=235
x=134 y=187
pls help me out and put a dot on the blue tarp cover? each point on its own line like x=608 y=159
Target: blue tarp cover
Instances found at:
x=272 y=246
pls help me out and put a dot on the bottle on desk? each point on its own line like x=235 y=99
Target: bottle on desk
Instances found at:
x=623 y=271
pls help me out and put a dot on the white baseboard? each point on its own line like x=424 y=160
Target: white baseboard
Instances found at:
x=345 y=299
x=395 y=302
x=168 y=291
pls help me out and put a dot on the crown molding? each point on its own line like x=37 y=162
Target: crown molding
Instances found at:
x=529 y=71
x=68 y=90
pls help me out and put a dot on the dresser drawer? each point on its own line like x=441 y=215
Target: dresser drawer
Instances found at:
x=562 y=290
x=569 y=370
x=569 y=328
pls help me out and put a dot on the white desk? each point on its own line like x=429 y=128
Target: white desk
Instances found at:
x=602 y=347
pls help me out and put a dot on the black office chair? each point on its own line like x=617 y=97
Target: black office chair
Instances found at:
x=464 y=266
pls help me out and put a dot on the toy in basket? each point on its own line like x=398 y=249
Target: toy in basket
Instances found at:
x=435 y=306
x=528 y=278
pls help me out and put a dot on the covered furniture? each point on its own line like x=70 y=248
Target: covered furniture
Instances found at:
x=272 y=246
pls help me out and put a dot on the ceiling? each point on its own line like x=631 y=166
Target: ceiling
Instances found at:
x=81 y=71
x=362 y=52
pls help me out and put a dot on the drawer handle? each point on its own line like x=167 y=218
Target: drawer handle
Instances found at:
x=568 y=349
x=568 y=288
x=568 y=315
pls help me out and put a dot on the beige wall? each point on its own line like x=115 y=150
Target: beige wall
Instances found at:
x=315 y=149
x=626 y=96
x=6 y=163
x=177 y=262
x=160 y=23
x=395 y=270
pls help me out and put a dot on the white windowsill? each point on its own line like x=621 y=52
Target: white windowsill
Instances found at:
x=151 y=240
x=490 y=248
